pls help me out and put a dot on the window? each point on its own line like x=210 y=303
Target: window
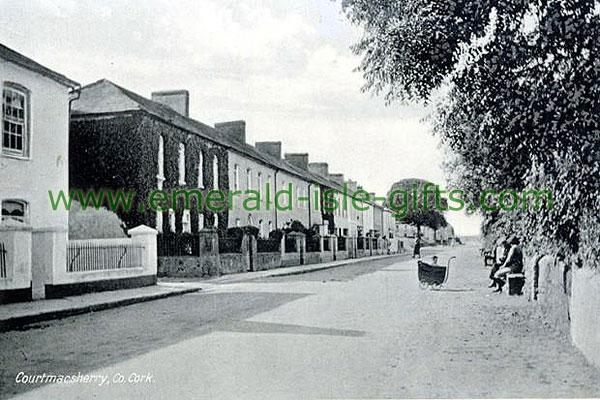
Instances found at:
x=259 y=184
x=161 y=158
x=159 y=221
x=181 y=164
x=14 y=210
x=186 y=222
x=267 y=193
x=216 y=221
x=270 y=226
x=201 y=170
x=237 y=222
x=250 y=220
x=172 y=220
x=215 y=173
x=15 y=121
x=261 y=228
x=248 y=179
x=236 y=177
x=200 y=221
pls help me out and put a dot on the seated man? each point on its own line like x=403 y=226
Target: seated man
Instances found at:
x=435 y=260
x=512 y=265
x=500 y=254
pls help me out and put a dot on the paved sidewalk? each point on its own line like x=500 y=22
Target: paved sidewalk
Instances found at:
x=15 y=316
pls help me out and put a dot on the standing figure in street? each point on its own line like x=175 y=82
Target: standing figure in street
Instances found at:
x=417 y=248
x=512 y=265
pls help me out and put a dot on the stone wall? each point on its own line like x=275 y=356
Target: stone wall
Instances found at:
x=585 y=313
x=264 y=261
x=233 y=263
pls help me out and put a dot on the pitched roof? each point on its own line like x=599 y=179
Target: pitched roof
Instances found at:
x=104 y=97
x=19 y=59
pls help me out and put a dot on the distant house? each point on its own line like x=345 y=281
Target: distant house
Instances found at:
x=33 y=159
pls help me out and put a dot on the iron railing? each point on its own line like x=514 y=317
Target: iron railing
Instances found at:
x=268 y=246
x=181 y=244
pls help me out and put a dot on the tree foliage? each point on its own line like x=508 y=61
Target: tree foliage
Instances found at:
x=420 y=210
x=516 y=91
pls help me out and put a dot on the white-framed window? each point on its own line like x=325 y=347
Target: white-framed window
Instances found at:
x=172 y=220
x=248 y=179
x=161 y=158
x=15 y=120
x=159 y=221
x=236 y=177
x=270 y=225
x=261 y=228
x=15 y=210
x=216 y=221
x=259 y=184
x=215 y=172
x=181 y=164
x=201 y=170
x=250 y=220
x=200 y=221
x=186 y=222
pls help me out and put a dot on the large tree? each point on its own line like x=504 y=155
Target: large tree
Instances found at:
x=412 y=206
x=517 y=94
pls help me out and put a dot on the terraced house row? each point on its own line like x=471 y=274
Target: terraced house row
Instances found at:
x=60 y=136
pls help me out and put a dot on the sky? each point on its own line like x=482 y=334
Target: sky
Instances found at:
x=283 y=66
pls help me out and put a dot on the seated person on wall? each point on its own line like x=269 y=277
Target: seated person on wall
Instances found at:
x=500 y=254
x=512 y=265
x=435 y=261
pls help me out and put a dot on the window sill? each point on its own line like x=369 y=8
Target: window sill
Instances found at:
x=15 y=156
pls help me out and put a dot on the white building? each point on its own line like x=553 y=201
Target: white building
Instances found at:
x=33 y=160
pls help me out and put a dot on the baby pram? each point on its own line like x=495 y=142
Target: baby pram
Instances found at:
x=433 y=276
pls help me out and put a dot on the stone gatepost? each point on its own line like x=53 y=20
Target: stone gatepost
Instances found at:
x=15 y=262
x=209 y=259
x=145 y=237
x=49 y=258
x=252 y=249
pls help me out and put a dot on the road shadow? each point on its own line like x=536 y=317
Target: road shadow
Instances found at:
x=268 y=327
x=88 y=342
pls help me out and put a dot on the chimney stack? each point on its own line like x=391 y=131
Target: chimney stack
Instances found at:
x=299 y=160
x=271 y=148
x=352 y=185
x=337 y=178
x=178 y=100
x=235 y=130
x=320 y=168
